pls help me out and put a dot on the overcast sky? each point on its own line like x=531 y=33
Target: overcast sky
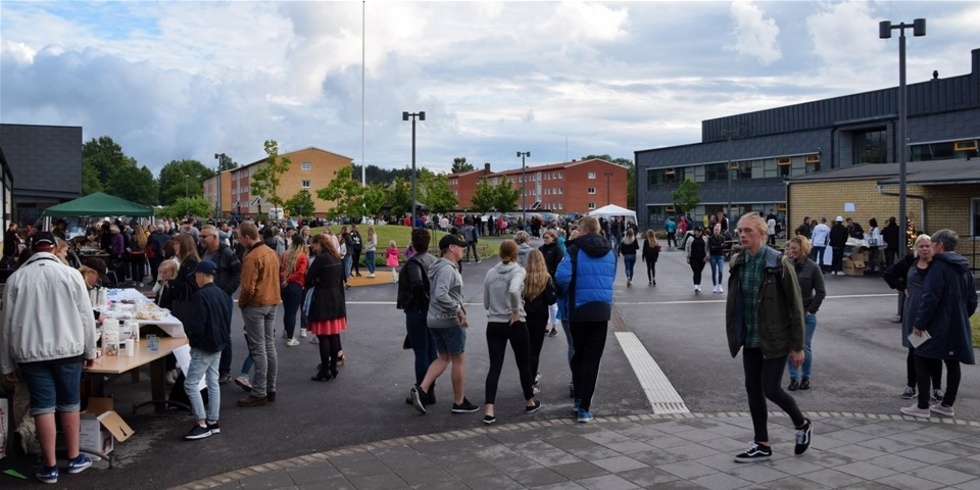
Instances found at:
x=176 y=80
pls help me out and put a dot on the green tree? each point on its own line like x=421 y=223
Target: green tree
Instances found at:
x=90 y=179
x=506 y=195
x=484 y=196
x=460 y=165
x=399 y=196
x=346 y=192
x=103 y=156
x=133 y=184
x=373 y=199
x=226 y=163
x=686 y=196
x=266 y=179
x=195 y=206
x=438 y=196
x=301 y=204
x=181 y=178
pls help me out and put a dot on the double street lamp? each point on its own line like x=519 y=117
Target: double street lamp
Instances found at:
x=421 y=117
x=217 y=186
x=523 y=155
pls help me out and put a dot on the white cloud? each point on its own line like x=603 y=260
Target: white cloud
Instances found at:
x=755 y=34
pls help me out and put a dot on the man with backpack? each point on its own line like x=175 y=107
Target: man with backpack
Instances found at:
x=413 y=299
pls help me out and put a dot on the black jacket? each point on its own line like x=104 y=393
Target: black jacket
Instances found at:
x=890 y=235
x=537 y=308
x=552 y=256
x=650 y=252
x=326 y=277
x=896 y=275
x=413 y=283
x=355 y=240
x=630 y=248
x=209 y=327
x=838 y=236
x=229 y=276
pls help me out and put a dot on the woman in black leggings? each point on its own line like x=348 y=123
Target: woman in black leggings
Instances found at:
x=697 y=256
x=502 y=297
x=651 y=252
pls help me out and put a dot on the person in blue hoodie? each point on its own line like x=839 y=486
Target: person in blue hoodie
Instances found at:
x=949 y=299
x=585 y=278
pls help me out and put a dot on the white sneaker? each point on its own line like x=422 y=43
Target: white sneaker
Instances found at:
x=314 y=340
x=721 y=289
x=370 y=276
x=302 y=333
x=292 y=342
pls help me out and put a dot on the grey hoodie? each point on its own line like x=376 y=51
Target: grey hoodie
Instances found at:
x=522 y=251
x=503 y=289
x=445 y=294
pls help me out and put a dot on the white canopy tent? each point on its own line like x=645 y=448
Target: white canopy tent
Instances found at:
x=613 y=210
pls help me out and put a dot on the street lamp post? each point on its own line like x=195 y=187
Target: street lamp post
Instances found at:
x=187 y=199
x=885 y=28
x=608 y=194
x=523 y=155
x=421 y=117
x=217 y=186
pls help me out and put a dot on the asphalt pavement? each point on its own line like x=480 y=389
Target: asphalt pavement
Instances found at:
x=357 y=432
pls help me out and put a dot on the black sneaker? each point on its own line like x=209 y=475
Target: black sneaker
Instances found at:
x=937 y=395
x=465 y=407
x=909 y=393
x=803 y=438
x=793 y=385
x=489 y=419
x=553 y=332
x=197 y=432
x=805 y=384
x=754 y=453
x=532 y=408
x=214 y=428
x=418 y=395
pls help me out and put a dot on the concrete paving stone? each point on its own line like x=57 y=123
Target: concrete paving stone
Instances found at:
x=795 y=483
x=471 y=469
x=940 y=432
x=795 y=465
x=954 y=448
x=887 y=445
x=492 y=482
x=897 y=463
x=909 y=482
x=942 y=475
x=881 y=429
x=728 y=445
x=917 y=438
x=353 y=457
x=647 y=477
x=671 y=426
x=424 y=475
x=729 y=430
x=538 y=477
x=555 y=457
x=606 y=436
x=363 y=468
x=629 y=447
x=607 y=482
x=687 y=469
x=618 y=426
x=658 y=457
x=385 y=481
x=663 y=442
x=579 y=471
x=865 y=470
x=333 y=483
x=491 y=452
x=510 y=464
x=312 y=473
x=452 y=485
x=697 y=435
x=926 y=455
x=232 y=485
x=859 y=453
x=693 y=451
x=831 y=478
x=532 y=447
x=970 y=485
x=568 y=441
x=966 y=465
x=566 y=485
x=618 y=464
x=514 y=437
x=268 y=480
x=725 y=462
x=395 y=453
x=598 y=451
x=868 y=485
x=758 y=473
x=849 y=436
x=720 y=481
x=972 y=441
x=677 y=485
x=828 y=459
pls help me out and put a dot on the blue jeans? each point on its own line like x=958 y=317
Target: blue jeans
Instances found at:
x=810 y=322
x=52 y=385
x=292 y=295
x=816 y=255
x=369 y=261
x=629 y=260
x=717 y=268
x=347 y=264
x=203 y=365
x=423 y=344
x=260 y=330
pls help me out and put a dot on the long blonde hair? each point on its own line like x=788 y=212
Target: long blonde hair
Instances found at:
x=537 y=276
x=290 y=257
x=652 y=238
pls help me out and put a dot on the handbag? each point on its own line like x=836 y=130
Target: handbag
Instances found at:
x=407 y=343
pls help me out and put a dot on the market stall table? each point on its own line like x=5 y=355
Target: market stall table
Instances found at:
x=119 y=364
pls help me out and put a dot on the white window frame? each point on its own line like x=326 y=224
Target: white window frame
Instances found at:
x=306 y=184
x=306 y=166
x=591 y=190
x=591 y=205
x=591 y=175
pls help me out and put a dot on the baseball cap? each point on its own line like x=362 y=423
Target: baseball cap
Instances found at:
x=840 y=219
x=450 y=239
x=43 y=239
x=99 y=266
x=205 y=267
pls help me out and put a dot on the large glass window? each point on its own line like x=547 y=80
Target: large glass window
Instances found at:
x=943 y=151
x=976 y=217
x=869 y=146
x=715 y=171
x=741 y=170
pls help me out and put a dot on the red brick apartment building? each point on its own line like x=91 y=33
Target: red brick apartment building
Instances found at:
x=568 y=187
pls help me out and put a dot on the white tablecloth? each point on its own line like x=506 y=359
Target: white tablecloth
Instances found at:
x=169 y=324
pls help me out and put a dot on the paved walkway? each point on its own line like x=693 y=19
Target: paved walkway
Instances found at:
x=849 y=450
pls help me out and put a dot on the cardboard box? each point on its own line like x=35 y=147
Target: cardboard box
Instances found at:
x=853 y=267
x=100 y=426
x=859 y=256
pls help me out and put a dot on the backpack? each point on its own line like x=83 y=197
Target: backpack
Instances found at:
x=406 y=296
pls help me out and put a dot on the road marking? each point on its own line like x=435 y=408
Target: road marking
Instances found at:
x=660 y=393
x=707 y=301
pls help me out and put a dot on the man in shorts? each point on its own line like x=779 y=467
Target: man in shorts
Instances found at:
x=48 y=335
x=447 y=320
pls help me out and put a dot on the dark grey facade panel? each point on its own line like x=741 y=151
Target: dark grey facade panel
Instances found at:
x=44 y=157
x=755 y=191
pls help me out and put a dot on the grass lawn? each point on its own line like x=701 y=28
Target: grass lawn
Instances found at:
x=975 y=326
x=402 y=237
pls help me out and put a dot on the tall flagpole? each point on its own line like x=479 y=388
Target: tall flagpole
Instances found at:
x=363 y=96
